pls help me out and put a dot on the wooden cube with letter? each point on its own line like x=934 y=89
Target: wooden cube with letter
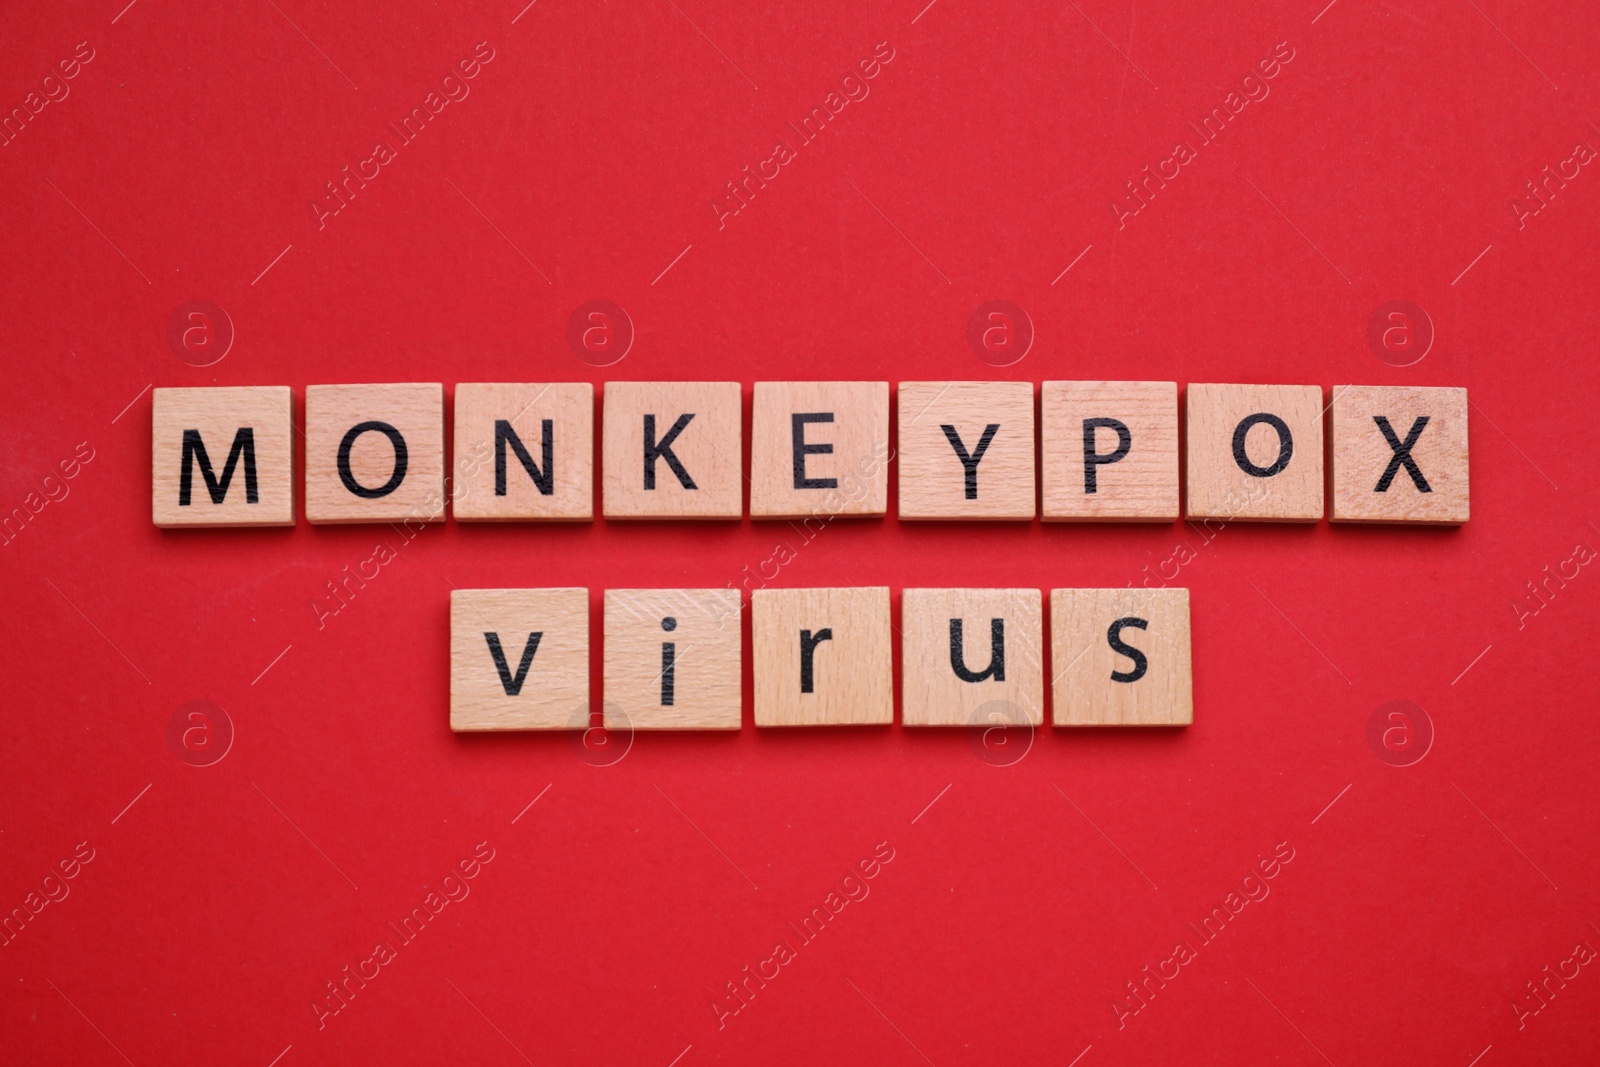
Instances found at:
x=966 y=450
x=1109 y=451
x=1400 y=454
x=673 y=659
x=375 y=453
x=519 y=659
x=1120 y=657
x=222 y=456
x=672 y=450
x=819 y=449
x=972 y=657
x=1255 y=452
x=524 y=452
x=822 y=656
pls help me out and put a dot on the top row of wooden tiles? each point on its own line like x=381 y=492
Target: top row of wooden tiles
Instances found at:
x=1101 y=451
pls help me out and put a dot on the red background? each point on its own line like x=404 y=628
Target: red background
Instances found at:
x=981 y=165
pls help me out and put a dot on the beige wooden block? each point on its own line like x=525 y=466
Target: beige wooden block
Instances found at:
x=1399 y=454
x=375 y=453
x=1109 y=451
x=222 y=456
x=1120 y=657
x=819 y=448
x=524 y=452
x=1255 y=452
x=822 y=656
x=966 y=450
x=972 y=657
x=673 y=659
x=673 y=450
x=519 y=659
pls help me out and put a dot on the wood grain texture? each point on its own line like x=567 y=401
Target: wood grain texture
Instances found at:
x=218 y=415
x=414 y=412
x=704 y=684
x=934 y=483
x=934 y=694
x=1141 y=485
x=709 y=448
x=851 y=671
x=1364 y=487
x=1086 y=668
x=569 y=408
x=554 y=692
x=856 y=438
x=1220 y=486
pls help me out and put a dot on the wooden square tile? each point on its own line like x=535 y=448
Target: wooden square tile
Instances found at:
x=966 y=450
x=971 y=657
x=524 y=452
x=822 y=656
x=1400 y=454
x=1255 y=452
x=1120 y=657
x=375 y=453
x=519 y=659
x=1109 y=451
x=673 y=659
x=819 y=448
x=672 y=450
x=222 y=456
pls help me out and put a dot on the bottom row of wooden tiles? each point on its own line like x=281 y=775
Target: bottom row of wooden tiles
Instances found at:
x=519 y=658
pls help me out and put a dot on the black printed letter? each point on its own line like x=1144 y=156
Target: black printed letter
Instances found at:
x=504 y=435
x=997 y=651
x=654 y=450
x=669 y=662
x=1285 y=445
x=400 y=460
x=1402 y=454
x=1140 y=664
x=808 y=648
x=797 y=430
x=244 y=444
x=1093 y=459
x=970 y=462
x=512 y=683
